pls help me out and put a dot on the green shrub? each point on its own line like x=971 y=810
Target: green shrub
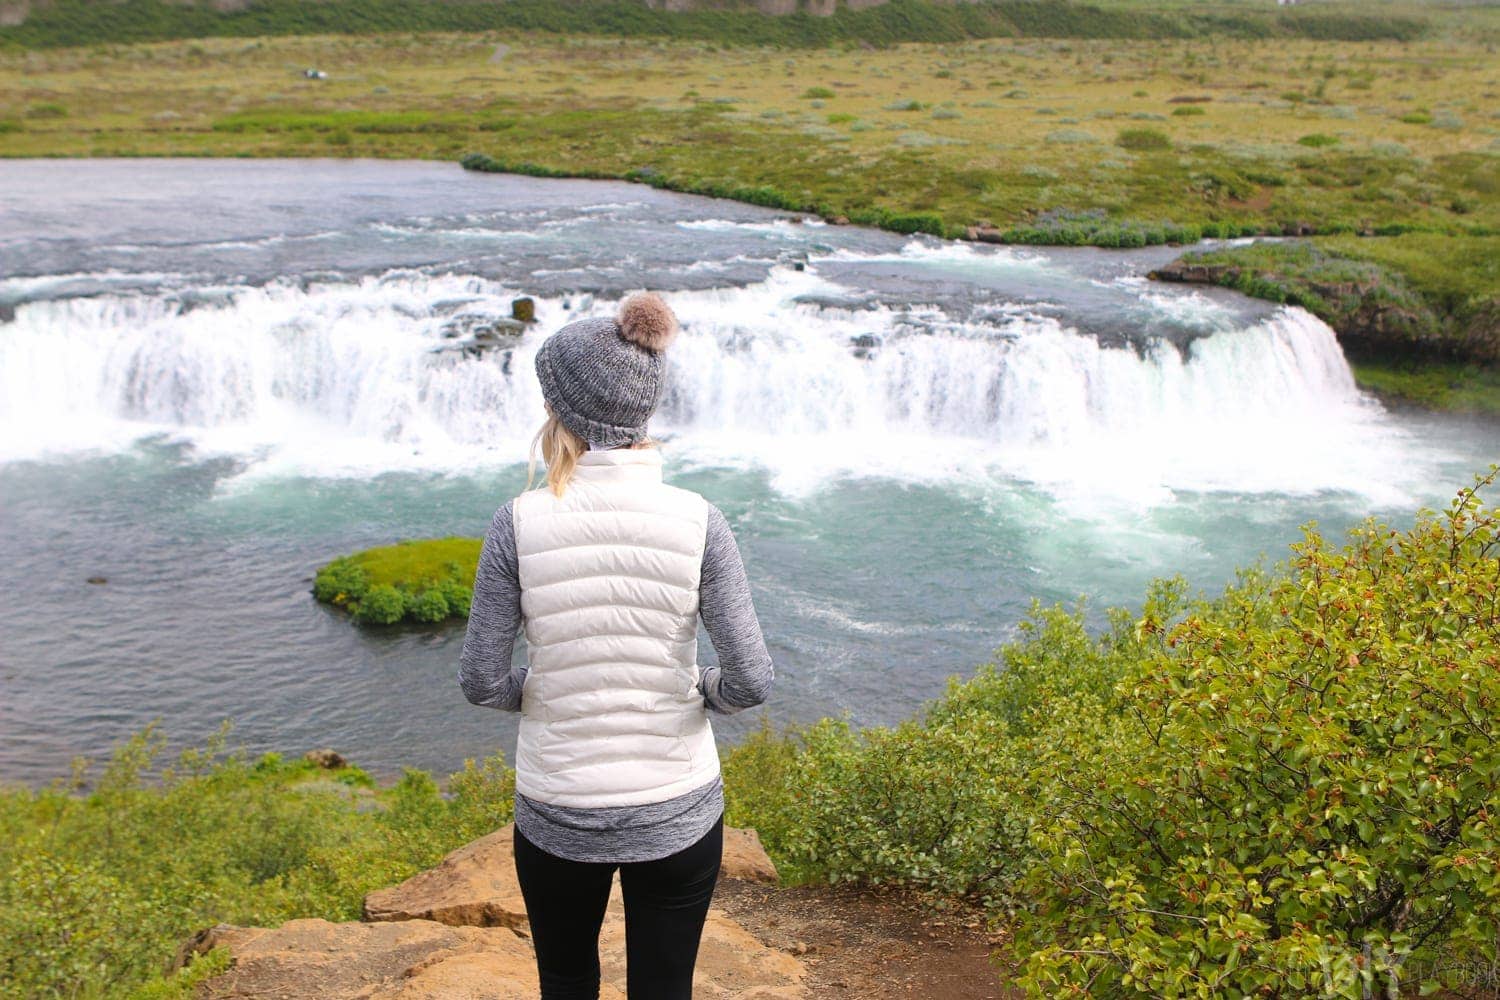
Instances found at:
x=9 y=126
x=1417 y=118
x=818 y=93
x=908 y=105
x=1184 y=110
x=1142 y=139
x=1318 y=140
x=1290 y=790
x=45 y=110
x=381 y=604
x=431 y=605
x=1300 y=790
x=103 y=876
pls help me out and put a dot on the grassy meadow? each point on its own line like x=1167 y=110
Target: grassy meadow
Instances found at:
x=1101 y=141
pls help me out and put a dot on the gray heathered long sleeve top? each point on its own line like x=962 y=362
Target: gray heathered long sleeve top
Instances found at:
x=741 y=680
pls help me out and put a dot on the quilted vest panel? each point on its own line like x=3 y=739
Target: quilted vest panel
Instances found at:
x=611 y=712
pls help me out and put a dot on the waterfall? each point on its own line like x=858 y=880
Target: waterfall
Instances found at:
x=351 y=377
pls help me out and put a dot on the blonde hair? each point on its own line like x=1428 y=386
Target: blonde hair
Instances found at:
x=560 y=450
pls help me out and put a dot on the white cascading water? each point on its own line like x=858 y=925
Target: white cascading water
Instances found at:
x=343 y=379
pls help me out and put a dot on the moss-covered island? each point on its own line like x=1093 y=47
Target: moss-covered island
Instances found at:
x=419 y=580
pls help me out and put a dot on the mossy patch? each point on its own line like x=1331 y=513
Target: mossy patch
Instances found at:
x=1399 y=304
x=421 y=580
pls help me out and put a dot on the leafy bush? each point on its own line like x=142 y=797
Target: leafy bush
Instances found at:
x=103 y=876
x=1143 y=139
x=1184 y=110
x=48 y=109
x=818 y=93
x=1288 y=791
x=1300 y=794
x=428 y=606
x=382 y=604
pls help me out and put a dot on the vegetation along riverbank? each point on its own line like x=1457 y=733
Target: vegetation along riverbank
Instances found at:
x=1373 y=135
x=1287 y=790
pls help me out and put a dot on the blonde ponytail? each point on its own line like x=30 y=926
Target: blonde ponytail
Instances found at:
x=560 y=450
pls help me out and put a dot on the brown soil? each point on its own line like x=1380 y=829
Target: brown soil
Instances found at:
x=871 y=944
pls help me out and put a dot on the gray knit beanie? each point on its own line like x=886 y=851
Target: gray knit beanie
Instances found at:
x=604 y=376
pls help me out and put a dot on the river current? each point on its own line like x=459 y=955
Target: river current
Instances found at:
x=217 y=375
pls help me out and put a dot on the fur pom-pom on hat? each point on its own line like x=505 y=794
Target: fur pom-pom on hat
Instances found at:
x=647 y=320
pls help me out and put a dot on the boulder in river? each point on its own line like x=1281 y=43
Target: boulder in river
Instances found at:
x=327 y=759
x=523 y=309
x=865 y=345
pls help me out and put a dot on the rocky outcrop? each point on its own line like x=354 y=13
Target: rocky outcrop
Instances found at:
x=458 y=931
x=325 y=758
x=745 y=859
x=475 y=886
x=359 y=961
x=1370 y=320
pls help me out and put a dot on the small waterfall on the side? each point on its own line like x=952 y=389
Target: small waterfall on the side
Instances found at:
x=343 y=376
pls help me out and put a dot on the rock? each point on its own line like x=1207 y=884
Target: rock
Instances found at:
x=459 y=932
x=473 y=886
x=482 y=325
x=839 y=220
x=501 y=51
x=96 y=580
x=523 y=309
x=732 y=962
x=385 y=961
x=745 y=858
x=983 y=233
x=476 y=885
x=325 y=758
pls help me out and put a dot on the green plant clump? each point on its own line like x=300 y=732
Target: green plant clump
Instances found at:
x=427 y=580
x=1291 y=790
x=1143 y=139
x=105 y=875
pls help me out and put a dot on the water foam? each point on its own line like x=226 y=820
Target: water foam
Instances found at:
x=343 y=378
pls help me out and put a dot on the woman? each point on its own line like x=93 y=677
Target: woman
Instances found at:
x=608 y=570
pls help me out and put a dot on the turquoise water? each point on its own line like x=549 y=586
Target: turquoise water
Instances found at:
x=204 y=397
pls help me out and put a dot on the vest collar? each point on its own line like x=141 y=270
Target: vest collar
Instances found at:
x=620 y=463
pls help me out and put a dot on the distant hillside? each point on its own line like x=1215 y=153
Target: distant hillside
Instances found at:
x=50 y=23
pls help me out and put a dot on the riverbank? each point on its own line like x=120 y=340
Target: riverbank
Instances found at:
x=1081 y=783
x=1418 y=327
x=1124 y=142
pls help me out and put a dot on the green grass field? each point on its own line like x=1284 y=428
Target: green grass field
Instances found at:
x=1105 y=141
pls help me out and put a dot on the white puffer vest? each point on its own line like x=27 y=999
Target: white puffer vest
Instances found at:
x=611 y=712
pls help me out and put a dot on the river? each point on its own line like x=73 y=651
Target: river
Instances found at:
x=217 y=375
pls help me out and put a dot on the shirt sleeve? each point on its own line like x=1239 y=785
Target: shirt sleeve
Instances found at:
x=485 y=671
x=744 y=674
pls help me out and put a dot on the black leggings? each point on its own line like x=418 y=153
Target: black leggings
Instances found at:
x=666 y=903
